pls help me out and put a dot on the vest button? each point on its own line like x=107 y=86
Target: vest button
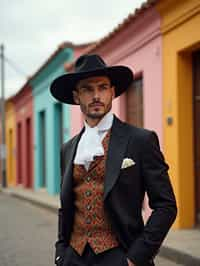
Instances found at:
x=88 y=193
x=88 y=221
x=88 y=178
x=89 y=234
x=89 y=207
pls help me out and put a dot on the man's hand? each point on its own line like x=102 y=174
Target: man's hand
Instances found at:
x=130 y=263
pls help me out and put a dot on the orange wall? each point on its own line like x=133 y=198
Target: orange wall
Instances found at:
x=180 y=22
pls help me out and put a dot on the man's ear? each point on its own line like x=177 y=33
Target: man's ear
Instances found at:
x=75 y=97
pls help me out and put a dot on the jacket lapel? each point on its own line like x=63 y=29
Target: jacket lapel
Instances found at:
x=117 y=147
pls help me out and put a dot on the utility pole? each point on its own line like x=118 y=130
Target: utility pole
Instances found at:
x=3 y=146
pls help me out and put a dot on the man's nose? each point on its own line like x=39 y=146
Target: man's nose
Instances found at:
x=96 y=94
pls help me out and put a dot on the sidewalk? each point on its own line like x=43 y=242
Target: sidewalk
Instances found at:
x=181 y=246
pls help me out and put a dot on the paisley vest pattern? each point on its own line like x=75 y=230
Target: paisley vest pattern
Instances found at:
x=91 y=223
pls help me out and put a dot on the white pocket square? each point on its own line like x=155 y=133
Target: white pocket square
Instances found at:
x=127 y=162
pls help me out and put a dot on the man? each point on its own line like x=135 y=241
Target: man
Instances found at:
x=105 y=171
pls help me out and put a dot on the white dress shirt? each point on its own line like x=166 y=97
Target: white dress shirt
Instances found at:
x=90 y=143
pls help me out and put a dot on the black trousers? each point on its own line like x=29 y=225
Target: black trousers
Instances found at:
x=112 y=257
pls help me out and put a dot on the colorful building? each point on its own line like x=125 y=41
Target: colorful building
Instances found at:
x=141 y=50
x=51 y=120
x=23 y=104
x=10 y=121
x=161 y=44
x=180 y=21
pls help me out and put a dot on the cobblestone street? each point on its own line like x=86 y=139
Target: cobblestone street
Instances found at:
x=28 y=234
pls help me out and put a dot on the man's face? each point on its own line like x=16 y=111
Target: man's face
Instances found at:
x=95 y=96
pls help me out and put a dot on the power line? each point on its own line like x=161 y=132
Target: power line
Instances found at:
x=15 y=67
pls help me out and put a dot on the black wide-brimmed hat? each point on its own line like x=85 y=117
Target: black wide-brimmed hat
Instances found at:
x=86 y=66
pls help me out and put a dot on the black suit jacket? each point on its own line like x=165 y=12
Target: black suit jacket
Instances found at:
x=124 y=191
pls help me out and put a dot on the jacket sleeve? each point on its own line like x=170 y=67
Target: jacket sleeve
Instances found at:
x=60 y=243
x=161 y=200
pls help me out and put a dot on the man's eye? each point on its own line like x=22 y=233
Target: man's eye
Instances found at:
x=86 y=89
x=105 y=87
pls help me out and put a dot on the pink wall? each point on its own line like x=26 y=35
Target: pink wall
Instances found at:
x=141 y=50
x=76 y=120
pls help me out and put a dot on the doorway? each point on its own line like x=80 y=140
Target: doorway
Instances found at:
x=134 y=103
x=28 y=153
x=42 y=147
x=58 y=140
x=19 y=152
x=59 y=124
x=11 y=157
x=196 y=119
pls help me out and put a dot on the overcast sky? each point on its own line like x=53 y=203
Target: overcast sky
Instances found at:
x=31 y=30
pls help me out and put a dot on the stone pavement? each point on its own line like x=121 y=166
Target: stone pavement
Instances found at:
x=180 y=246
x=29 y=234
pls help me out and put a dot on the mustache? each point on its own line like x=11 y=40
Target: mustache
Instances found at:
x=94 y=103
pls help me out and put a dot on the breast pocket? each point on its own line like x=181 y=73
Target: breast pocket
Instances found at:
x=129 y=169
x=128 y=174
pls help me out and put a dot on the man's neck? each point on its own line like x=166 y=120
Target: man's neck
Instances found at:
x=93 y=122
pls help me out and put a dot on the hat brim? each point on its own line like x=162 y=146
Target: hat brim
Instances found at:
x=61 y=88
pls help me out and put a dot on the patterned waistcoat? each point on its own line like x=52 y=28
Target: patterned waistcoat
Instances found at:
x=90 y=222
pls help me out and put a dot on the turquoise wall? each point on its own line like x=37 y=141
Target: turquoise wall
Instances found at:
x=51 y=121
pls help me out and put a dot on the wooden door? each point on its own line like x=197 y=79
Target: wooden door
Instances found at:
x=11 y=160
x=134 y=103
x=196 y=97
x=28 y=153
x=42 y=156
x=19 y=152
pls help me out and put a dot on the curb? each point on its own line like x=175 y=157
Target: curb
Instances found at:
x=178 y=256
x=33 y=201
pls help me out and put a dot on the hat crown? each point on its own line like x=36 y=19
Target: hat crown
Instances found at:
x=89 y=62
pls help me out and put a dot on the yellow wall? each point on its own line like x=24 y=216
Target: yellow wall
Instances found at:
x=180 y=26
x=10 y=144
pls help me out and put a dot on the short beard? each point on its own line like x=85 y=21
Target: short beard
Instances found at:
x=95 y=116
